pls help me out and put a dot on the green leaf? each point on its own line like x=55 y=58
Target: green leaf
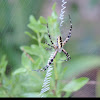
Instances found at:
x=75 y=84
x=18 y=71
x=26 y=62
x=38 y=63
x=54 y=6
x=32 y=19
x=33 y=50
x=42 y=20
x=36 y=25
x=32 y=36
x=68 y=94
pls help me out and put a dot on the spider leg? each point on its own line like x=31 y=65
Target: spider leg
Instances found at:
x=49 y=63
x=69 y=35
x=49 y=45
x=67 y=55
x=49 y=49
x=49 y=34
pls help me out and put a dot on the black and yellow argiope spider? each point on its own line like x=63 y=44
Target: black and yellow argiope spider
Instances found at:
x=58 y=47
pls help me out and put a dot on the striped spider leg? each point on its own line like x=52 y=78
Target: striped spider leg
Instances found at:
x=49 y=45
x=49 y=63
x=69 y=35
x=49 y=38
x=66 y=40
x=58 y=47
x=49 y=35
x=67 y=55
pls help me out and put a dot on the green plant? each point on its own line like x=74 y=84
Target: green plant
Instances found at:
x=24 y=82
x=40 y=56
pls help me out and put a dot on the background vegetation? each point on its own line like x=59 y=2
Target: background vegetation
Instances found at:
x=16 y=76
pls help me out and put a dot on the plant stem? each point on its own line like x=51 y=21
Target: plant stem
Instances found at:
x=39 y=40
x=56 y=76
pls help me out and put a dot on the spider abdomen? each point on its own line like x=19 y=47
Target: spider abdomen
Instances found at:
x=59 y=43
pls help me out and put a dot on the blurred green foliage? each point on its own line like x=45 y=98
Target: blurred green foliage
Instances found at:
x=13 y=19
x=24 y=82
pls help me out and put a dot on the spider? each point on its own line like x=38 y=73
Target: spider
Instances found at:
x=58 y=47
